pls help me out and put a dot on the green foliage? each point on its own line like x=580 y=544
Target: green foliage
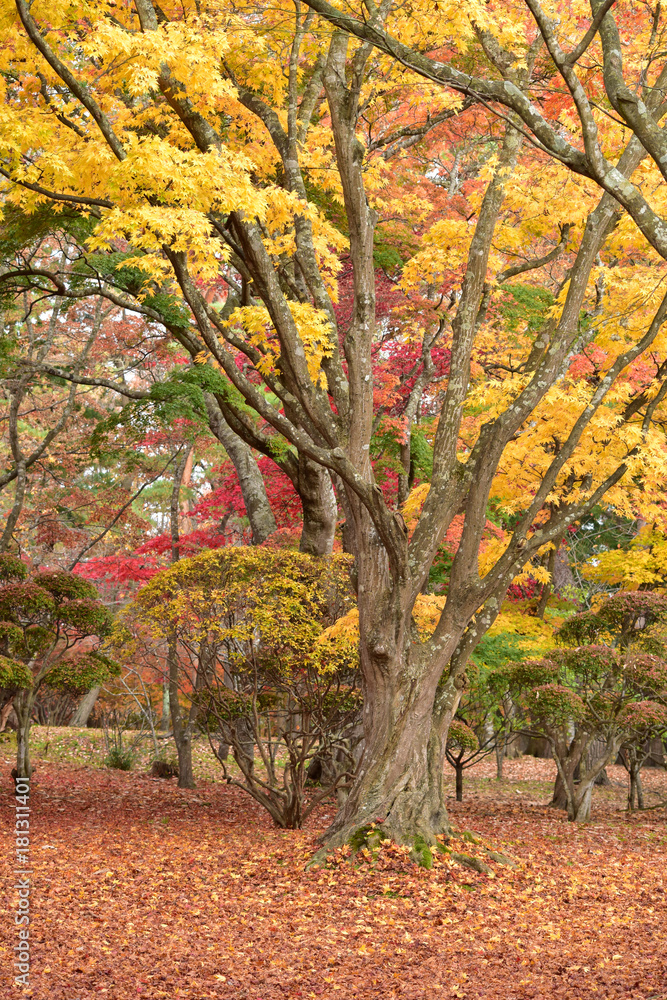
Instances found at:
x=421 y=453
x=554 y=705
x=524 y=307
x=43 y=618
x=12 y=569
x=11 y=636
x=120 y=758
x=461 y=736
x=36 y=640
x=66 y=586
x=494 y=651
x=26 y=603
x=113 y=268
x=20 y=229
x=523 y=674
x=627 y=618
x=76 y=676
x=86 y=617
x=14 y=676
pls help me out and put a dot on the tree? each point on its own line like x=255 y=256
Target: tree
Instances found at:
x=51 y=626
x=247 y=171
x=592 y=698
x=647 y=721
x=247 y=645
x=479 y=727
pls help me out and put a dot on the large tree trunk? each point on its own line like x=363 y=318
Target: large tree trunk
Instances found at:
x=253 y=490
x=320 y=510
x=399 y=783
x=392 y=786
x=559 y=798
x=579 y=810
x=85 y=707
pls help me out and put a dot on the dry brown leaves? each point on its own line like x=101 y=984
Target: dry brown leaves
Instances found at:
x=142 y=890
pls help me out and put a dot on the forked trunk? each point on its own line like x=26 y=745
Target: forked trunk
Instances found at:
x=392 y=786
x=400 y=781
x=579 y=808
x=636 y=792
x=559 y=797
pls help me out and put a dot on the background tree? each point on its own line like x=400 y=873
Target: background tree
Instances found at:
x=245 y=630
x=479 y=726
x=587 y=700
x=52 y=625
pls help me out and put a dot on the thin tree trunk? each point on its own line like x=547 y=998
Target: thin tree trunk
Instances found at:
x=17 y=506
x=253 y=490
x=459 y=783
x=5 y=713
x=632 y=790
x=500 y=757
x=181 y=728
x=164 y=721
x=640 y=790
x=635 y=792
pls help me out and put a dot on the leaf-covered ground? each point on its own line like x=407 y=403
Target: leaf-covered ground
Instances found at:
x=144 y=890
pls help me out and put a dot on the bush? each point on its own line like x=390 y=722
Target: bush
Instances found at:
x=119 y=758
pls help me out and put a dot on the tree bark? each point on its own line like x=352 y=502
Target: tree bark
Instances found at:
x=635 y=792
x=559 y=797
x=5 y=713
x=23 y=703
x=85 y=707
x=253 y=490
x=459 y=783
x=181 y=728
x=320 y=511
x=500 y=757
x=164 y=721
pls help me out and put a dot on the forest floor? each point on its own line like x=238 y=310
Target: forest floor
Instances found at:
x=140 y=889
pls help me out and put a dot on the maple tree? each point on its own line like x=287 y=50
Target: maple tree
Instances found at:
x=608 y=689
x=212 y=154
x=51 y=625
x=479 y=727
x=247 y=631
